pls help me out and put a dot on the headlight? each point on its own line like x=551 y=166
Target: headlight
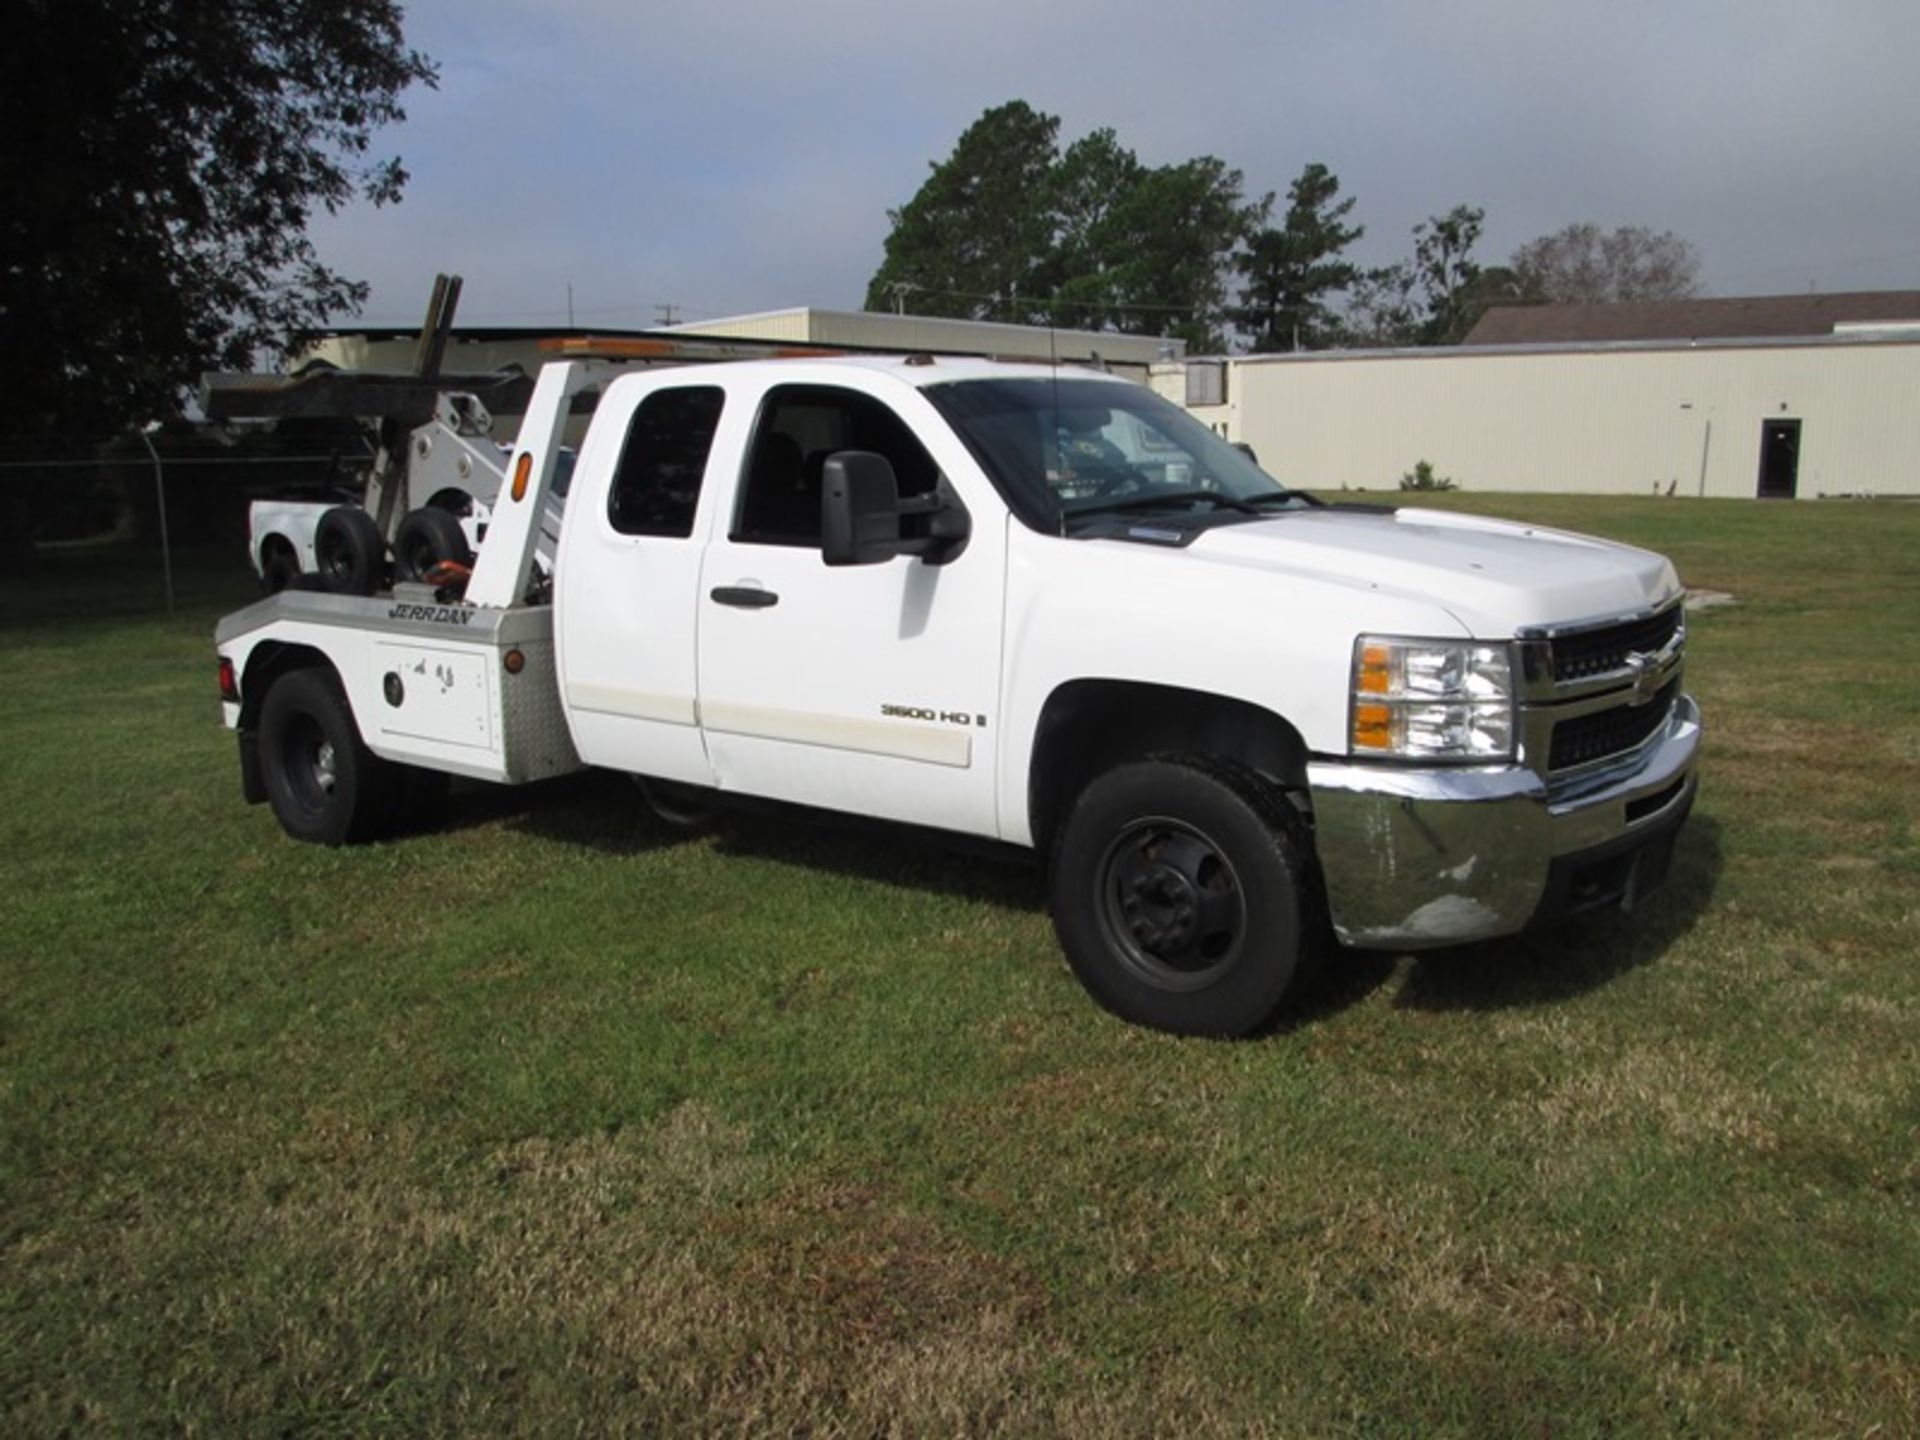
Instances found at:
x=1432 y=699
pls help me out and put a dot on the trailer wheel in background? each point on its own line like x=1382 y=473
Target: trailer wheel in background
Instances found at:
x=279 y=566
x=348 y=552
x=427 y=538
x=325 y=786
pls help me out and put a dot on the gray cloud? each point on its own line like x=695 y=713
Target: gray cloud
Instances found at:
x=738 y=156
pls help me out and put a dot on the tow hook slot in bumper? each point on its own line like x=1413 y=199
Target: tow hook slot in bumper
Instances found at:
x=1417 y=858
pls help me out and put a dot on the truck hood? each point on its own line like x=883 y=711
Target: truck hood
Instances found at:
x=1494 y=576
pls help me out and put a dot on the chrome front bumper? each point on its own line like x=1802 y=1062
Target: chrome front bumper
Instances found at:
x=1415 y=858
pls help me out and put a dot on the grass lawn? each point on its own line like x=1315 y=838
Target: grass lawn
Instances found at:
x=557 y=1120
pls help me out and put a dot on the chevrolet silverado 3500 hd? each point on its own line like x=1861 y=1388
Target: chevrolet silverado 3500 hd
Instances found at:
x=1033 y=604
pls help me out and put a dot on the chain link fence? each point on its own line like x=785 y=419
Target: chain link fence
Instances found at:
x=160 y=501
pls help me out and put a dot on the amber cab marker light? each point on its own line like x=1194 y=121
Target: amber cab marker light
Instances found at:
x=514 y=661
x=522 y=468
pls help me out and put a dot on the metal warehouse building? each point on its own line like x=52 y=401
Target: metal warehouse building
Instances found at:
x=1807 y=416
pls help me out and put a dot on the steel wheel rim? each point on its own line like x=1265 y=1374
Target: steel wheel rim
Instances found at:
x=312 y=764
x=1172 y=904
x=332 y=560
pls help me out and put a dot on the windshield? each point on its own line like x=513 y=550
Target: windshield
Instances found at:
x=1068 y=447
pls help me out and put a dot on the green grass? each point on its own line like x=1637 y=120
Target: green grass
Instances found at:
x=555 y=1120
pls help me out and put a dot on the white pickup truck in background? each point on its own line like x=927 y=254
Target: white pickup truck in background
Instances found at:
x=1027 y=603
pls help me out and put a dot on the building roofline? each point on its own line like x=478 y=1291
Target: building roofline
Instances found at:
x=938 y=321
x=1846 y=340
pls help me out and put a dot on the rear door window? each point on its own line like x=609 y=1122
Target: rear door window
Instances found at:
x=657 y=485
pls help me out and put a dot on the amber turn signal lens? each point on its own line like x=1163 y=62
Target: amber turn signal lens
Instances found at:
x=1372 y=727
x=1376 y=670
x=522 y=469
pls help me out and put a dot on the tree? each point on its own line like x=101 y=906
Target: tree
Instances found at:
x=1583 y=264
x=1009 y=228
x=1174 y=234
x=974 y=240
x=1383 y=310
x=161 y=161
x=1291 y=270
x=1088 y=183
x=1444 y=269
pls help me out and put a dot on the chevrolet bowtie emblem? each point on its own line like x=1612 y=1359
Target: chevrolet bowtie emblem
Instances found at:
x=1646 y=679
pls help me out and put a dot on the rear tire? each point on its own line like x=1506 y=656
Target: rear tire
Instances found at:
x=1181 y=893
x=427 y=537
x=348 y=553
x=279 y=569
x=323 y=783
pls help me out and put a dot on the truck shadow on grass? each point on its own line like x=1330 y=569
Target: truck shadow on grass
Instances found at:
x=607 y=814
x=1538 y=968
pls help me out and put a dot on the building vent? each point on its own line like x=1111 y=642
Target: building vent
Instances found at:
x=1207 y=382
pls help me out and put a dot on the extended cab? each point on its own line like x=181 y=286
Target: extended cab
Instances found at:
x=1034 y=604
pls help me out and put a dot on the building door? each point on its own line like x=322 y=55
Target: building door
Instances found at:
x=1779 y=459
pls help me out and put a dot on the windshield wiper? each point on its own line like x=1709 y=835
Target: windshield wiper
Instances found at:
x=1172 y=497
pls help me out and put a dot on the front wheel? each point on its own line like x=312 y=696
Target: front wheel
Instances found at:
x=1179 y=893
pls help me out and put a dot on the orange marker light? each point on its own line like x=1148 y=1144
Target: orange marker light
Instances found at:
x=1376 y=670
x=1372 y=727
x=522 y=468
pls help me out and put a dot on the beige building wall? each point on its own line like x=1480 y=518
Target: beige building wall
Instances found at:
x=1626 y=421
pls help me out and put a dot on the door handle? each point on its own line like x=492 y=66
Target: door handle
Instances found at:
x=747 y=597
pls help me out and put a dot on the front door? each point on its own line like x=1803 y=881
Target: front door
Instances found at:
x=870 y=688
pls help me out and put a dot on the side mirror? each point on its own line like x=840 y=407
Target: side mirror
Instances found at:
x=861 y=512
x=859 y=509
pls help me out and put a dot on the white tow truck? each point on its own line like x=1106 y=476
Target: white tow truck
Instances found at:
x=1027 y=603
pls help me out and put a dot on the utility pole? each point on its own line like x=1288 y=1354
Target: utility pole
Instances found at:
x=667 y=314
x=570 y=305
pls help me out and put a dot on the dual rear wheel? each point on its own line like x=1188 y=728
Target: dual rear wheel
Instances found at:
x=324 y=784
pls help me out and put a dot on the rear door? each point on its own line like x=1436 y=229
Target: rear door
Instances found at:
x=629 y=574
x=870 y=688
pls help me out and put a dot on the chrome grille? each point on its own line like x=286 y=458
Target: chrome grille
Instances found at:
x=1587 y=653
x=1601 y=734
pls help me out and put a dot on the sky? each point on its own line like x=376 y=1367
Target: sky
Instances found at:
x=732 y=156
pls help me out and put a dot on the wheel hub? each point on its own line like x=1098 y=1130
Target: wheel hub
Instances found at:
x=1172 y=904
x=1160 y=905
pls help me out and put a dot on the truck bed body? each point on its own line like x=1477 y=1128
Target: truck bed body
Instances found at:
x=429 y=683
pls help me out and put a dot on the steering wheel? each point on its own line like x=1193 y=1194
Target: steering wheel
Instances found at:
x=1101 y=469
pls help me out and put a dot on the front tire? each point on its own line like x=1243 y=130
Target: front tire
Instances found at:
x=1179 y=891
x=323 y=783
